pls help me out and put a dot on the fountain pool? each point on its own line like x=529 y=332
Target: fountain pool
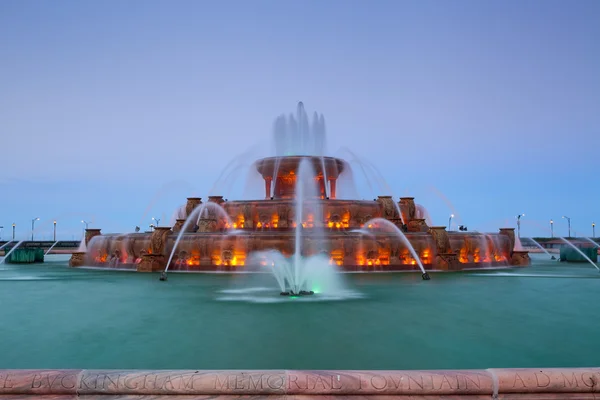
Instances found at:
x=54 y=316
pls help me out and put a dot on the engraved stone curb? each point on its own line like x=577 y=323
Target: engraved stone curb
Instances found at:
x=491 y=383
x=550 y=380
x=39 y=381
x=182 y=382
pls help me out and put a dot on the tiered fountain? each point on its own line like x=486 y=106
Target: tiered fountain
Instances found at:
x=300 y=217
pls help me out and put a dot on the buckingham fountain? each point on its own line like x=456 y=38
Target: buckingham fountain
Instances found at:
x=301 y=227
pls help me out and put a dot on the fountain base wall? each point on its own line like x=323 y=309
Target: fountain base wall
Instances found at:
x=349 y=250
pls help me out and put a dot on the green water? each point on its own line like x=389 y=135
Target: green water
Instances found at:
x=55 y=317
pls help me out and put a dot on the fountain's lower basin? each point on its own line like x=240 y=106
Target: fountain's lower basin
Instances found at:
x=349 y=250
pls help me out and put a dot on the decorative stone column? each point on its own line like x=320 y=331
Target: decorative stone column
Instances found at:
x=268 y=181
x=510 y=232
x=155 y=260
x=205 y=246
x=158 y=240
x=446 y=259
x=192 y=203
x=178 y=225
x=90 y=233
x=77 y=259
x=407 y=208
x=332 y=188
x=283 y=212
x=248 y=213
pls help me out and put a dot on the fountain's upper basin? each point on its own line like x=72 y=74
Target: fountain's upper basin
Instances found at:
x=284 y=166
x=282 y=172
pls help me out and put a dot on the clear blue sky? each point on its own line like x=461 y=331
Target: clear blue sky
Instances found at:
x=116 y=111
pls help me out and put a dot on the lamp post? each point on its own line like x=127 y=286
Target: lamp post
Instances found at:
x=55 y=230
x=1 y=227
x=33 y=225
x=157 y=221
x=593 y=229
x=519 y=224
x=450 y=221
x=86 y=223
x=568 y=222
x=552 y=228
x=14 y=225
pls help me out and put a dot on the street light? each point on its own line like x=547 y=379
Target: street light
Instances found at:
x=593 y=229
x=450 y=221
x=86 y=223
x=552 y=227
x=32 y=225
x=157 y=221
x=55 y=230
x=519 y=224
x=13 y=225
x=1 y=227
x=569 y=222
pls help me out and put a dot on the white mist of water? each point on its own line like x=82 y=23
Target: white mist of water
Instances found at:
x=421 y=212
x=51 y=247
x=580 y=252
x=518 y=244
x=301 y=273
x=10 y=252
x=194 y=216
x=540 y=246
x=82 y=246
x=388 y=224
x=294 y=136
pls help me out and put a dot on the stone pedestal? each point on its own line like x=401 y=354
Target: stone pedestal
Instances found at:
x=77 y=259
x=216 y=199
x=407 y=209
x=207 y=225
x=520 y=258
x=417 y=225
x=90 y=233
x=152 y=263
x=192 y=203
x=178 y=225
x=388 y=208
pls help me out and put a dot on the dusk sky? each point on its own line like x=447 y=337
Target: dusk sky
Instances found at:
x=115 y=111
